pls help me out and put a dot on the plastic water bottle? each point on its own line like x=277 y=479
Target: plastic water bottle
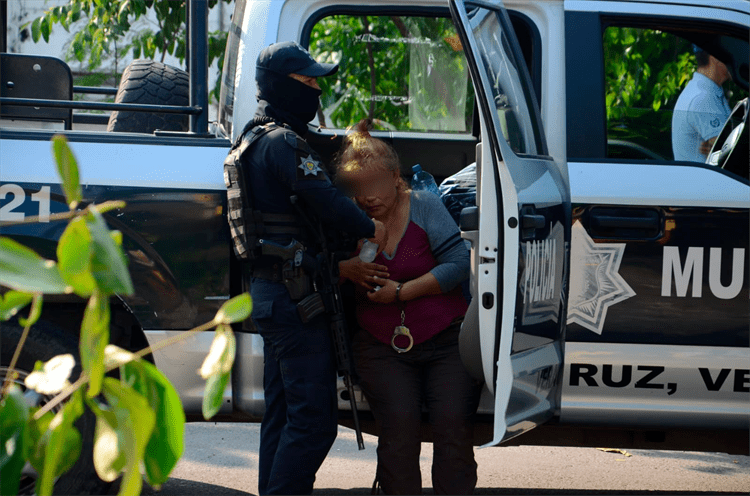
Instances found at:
x=368 y=251
x=367 y=254
x=423 y=180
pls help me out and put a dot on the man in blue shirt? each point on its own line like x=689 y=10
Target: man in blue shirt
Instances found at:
x=701 y=110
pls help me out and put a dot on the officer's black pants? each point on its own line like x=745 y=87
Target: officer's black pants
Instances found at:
x=300 y=422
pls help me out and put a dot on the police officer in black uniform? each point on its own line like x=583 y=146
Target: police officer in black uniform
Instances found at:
x=300 y=422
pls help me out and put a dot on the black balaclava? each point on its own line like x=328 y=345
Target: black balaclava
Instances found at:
x=288 y=95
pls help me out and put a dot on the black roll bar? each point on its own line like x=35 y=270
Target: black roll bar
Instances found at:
x=197 y=63
x=196 y=23
x=3 y=26
x=95 y=90
x=136 y=107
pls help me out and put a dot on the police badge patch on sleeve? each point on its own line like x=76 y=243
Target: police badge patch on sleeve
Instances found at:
x=310 y=166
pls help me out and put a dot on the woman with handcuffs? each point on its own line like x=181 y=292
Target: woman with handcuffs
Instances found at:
x=409 y=311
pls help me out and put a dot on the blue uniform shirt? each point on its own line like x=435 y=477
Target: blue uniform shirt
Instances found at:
x=699 y=115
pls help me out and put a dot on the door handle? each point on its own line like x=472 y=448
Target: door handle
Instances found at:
x=626 y=223
x=608 y=221
x=531 y=222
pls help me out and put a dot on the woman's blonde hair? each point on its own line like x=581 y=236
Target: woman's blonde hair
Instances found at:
x=360 y=150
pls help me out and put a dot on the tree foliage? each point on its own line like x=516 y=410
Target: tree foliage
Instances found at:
x=139 y=416
x=645 y=70
x=382 y=75
x=105 y=29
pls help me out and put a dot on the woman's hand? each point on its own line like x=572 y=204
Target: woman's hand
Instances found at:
x=386 y=294
x=367 y=275
x=425 y=284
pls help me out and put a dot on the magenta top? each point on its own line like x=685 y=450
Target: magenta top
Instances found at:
x=431 y=243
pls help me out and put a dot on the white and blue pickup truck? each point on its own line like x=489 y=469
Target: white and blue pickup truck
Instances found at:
x=609 y=281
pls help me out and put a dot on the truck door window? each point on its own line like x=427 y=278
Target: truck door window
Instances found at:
x=512 y=98
x=226 y=97
x=645 y=71
x=407 y=73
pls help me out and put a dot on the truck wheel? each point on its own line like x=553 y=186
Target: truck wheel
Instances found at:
x=44 y=342
x=148 y=81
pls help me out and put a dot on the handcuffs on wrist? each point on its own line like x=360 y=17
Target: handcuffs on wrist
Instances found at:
x=401 y=330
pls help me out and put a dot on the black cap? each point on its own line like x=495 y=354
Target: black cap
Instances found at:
x=289 y=57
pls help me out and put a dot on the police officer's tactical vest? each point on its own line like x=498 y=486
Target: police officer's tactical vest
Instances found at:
x=245 y=224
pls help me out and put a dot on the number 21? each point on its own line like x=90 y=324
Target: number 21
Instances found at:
x=7 y=211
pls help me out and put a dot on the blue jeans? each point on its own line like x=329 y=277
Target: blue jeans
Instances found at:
x=300 y=422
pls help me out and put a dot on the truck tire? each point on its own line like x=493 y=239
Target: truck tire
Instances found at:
x=44 y=342
x=148 y=81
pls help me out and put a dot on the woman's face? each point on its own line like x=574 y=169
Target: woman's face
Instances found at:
x=376 y=191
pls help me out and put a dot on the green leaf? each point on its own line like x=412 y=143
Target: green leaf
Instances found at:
x=36 y=30
x=216 y=368
x=221 y=354
x=65 y=20
x=77 y=47
x=37 y=430
x=12 y=303
x=76 y=12
x=135 y=423
x=15 y=440
x=23 y=270
x=213 y=395
x=109 y=458
x=34 y=313
x=123 y=7
x=94 y=338
x=45 y=29
x=67 y=167
x=74 y=257
x=166 y=443
x=235 y=310
x=108 y=263
x=116 y=237
x=62 y=444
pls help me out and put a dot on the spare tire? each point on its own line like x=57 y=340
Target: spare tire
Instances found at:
x=148 y=81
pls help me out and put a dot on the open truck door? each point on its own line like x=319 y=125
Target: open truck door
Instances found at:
x=520 y=232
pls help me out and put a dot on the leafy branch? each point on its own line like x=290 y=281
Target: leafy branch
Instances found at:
x=139 y=417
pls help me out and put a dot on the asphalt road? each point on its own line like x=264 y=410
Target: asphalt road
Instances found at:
x=221 y=459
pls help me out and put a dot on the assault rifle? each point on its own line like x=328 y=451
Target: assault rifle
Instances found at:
x=328 y=298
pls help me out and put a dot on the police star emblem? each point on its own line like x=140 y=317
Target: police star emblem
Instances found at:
x=310 y=166
x=595 y=281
